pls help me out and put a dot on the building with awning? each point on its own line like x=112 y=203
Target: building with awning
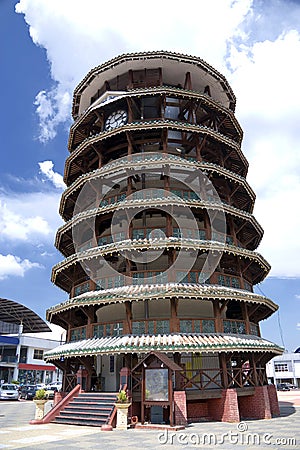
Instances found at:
x=21 y=350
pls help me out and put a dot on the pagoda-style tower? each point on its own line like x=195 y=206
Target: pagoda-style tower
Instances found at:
x=159 y=244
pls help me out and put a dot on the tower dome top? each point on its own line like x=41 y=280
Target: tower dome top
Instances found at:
x=124 y=72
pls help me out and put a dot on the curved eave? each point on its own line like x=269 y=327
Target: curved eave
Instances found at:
x=175 y=162
x=161 y=292
x=204 y=343
x=160 y=244
x=211 y=206
x=155 y=124
x=13 y=312
x=133 y=61
x=159 y=90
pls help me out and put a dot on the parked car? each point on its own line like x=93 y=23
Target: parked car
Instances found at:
x=291 y=386
x=9 y=391
x=282 y=387
x=28 y=391
x=54 y=386
x=50 y=393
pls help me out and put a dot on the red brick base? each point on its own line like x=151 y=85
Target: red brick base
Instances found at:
x=197 y=411
x=256 y=406
x=263 y=404
x=226 y=408
x=274 y=405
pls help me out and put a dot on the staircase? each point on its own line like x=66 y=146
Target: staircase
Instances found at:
x=89 y=408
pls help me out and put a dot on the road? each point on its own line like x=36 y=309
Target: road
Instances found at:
x=278 y=433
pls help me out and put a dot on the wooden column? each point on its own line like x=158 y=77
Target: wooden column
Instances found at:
x=246 y=317
x=174 y=321
x=128 y=309
x=188 y=81
x=177 y=360
x=171 y=401
x=130 y=111
x=222 y=359
x=217 y=316
x=255 y=377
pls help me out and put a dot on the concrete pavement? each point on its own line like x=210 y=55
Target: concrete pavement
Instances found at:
x=278 y=433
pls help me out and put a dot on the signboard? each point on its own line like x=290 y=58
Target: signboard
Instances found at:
x=156 y=385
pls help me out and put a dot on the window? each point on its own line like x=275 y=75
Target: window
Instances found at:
x=283 y=367
x=38 y=354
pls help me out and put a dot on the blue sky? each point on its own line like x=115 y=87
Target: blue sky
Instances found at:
x=48 y=47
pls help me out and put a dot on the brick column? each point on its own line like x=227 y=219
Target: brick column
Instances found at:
x=180 y=408
x=226 y=408
x=273 y=399
x=256 y=406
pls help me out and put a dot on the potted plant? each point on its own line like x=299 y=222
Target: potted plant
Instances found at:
x=40 y=399
x=122 y=406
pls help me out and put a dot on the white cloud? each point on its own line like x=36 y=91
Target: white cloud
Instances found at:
x=11 y=265
x=19 y=223
x=14 y=226
x=268 y=107
x=77 y=39
x=46 y=168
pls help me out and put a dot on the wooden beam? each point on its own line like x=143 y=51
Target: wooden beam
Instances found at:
x=188 y=81
x=225 y=303
x=217 y=315
x=246 y=317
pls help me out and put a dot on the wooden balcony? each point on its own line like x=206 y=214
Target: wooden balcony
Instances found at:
x=158 y=277
x=157 y=326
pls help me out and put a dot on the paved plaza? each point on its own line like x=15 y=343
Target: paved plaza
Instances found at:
x=278 y=433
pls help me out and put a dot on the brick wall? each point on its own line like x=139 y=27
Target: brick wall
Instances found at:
x=180 y=408
x=256 y=406
x=197 y=411
x=226 y=408
x=274 y=405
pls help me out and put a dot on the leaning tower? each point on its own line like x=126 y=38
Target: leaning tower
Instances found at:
x=159 y=244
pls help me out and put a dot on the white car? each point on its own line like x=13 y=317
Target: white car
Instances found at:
x=54 y=386
x=9 y=392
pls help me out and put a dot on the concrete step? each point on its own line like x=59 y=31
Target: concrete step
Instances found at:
x=79 y=421
x=92 y=413
x=89 y=408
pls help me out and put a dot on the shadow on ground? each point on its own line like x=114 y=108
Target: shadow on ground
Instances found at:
x=286 y=409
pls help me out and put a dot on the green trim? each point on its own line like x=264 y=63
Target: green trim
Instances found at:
x=165 y=343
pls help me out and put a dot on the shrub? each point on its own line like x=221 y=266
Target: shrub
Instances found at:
x=122 y=397
x=40 y=395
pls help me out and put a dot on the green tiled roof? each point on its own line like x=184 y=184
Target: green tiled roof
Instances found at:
x=206 y=343
x=157 y=244
x=161 y=291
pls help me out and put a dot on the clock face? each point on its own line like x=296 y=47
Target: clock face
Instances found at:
x=116 y=119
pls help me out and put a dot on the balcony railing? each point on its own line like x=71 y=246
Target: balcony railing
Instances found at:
x=203 y=379
x=197 y=325
x=159 y=277
x=157 y=326
x=77 y=334
x=150 y=326
x=234 y=326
